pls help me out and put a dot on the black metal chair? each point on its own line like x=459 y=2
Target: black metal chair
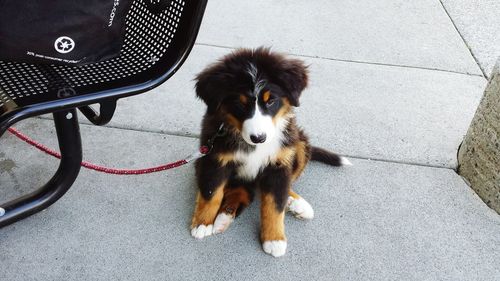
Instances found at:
x=159 y=37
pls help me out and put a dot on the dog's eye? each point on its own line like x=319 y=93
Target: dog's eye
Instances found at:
x=270 y=102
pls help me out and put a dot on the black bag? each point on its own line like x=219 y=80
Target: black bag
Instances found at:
x=67 y=32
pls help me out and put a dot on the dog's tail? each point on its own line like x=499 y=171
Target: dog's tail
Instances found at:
x=327 y=157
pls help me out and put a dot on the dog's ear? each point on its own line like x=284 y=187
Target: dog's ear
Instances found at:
x=293 y=75
x=209 y=87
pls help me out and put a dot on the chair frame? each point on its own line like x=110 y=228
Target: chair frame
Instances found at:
x=66 y=121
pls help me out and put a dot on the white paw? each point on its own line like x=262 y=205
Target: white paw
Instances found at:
x=300 y=208
x=275 y=248
x=201 y=231
x=222 y=222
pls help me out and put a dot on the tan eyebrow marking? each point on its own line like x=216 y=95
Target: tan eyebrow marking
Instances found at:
x=243 y=99
x=266 y=96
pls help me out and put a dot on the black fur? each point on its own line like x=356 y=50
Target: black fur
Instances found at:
x=210 y=175
x=325 y=156
x=276 y=181
x=229 y=76
x=220 y=87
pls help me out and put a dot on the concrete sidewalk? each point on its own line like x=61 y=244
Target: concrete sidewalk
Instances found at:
x=405 y=87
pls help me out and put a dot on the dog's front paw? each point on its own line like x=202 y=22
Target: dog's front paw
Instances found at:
x=300 y=208
x=275 y=248
x=222 y=222
x=201 y=231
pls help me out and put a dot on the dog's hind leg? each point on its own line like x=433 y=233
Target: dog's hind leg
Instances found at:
x=235 y=200
x=299 y=207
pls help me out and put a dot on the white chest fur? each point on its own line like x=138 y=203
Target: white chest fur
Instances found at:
x=251 y=163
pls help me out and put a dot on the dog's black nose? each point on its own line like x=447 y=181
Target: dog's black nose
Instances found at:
x=258 y=139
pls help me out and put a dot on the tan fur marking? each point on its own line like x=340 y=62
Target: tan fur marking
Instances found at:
x=294 y=195
x=206 y=210
x=225 y=158
x=266 y=96
x=284 y=110
x=286 y=102
x=243 y=99
x=272 y=222
x=285 y=157
x=234 y=121
x=300 y=152
x=233 y=199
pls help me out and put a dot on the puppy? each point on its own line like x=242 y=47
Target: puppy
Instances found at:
x=253 y=144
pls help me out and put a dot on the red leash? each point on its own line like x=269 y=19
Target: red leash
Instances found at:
x=203 y=150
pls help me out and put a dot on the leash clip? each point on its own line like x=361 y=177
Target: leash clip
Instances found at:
x=194 y=156
x=205 y=149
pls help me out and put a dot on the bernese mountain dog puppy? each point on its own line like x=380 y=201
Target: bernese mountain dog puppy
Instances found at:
x=254 y=144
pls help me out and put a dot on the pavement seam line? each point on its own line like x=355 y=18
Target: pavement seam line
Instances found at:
x=193 y=136
x=363 y=62
x=463 y=39
x=400 y=162
x=169 y=133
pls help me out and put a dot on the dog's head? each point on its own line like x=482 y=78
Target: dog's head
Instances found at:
x=252 y=91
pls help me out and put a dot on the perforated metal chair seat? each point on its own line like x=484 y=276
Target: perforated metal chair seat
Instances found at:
x=159 y=37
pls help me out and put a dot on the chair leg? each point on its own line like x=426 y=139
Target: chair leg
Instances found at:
x=68 y=135
x=107 y=109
